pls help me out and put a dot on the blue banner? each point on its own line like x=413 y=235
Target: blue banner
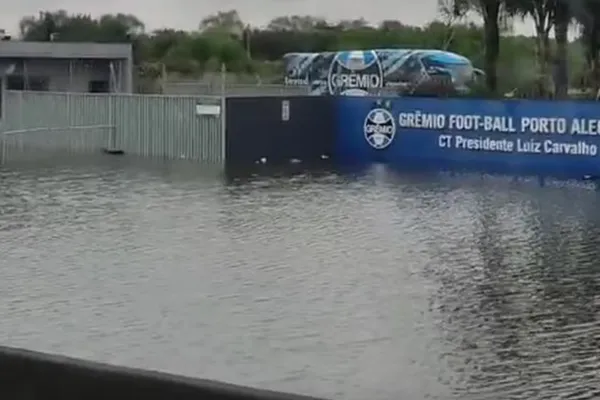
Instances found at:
x=521 y=135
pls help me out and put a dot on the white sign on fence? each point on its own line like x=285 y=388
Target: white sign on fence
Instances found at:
x=208 y=109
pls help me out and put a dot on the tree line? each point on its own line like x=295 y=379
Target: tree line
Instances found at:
x=542 y=63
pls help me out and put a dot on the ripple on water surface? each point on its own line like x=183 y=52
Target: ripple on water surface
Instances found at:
x=347 y=285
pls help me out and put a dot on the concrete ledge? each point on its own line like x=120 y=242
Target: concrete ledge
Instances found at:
x=29 y=375
x=103 y=51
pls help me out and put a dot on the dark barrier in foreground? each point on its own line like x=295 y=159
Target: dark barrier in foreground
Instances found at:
x=28 y=375
x=279 y=129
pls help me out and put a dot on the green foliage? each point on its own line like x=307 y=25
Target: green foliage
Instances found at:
x=552 y=61
x=224 y=39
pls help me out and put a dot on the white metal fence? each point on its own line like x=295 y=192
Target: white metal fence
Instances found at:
x=38 y=123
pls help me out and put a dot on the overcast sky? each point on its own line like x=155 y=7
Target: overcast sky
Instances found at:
x=186 y=14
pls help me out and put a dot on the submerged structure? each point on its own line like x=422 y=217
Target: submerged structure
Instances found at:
x=66 y=67
x=379 y=71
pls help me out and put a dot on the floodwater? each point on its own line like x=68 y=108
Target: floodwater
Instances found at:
x=373 y=285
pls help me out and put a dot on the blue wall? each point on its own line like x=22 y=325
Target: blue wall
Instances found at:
x=552 y=137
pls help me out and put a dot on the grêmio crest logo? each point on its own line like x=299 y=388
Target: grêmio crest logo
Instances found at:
x=379 y=126
x=354 y=73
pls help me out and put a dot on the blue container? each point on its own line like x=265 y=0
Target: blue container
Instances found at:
x=559 y=138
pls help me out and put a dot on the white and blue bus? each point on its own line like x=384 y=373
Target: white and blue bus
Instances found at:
x=361 y=72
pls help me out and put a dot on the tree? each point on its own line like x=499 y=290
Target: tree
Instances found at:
x=217 y=40
x=587 y=14
x=225 y=22
x=59 y=25
x=562 y=18
x=296 y=23
x=353 y=24
x=42 y=26
x=491 y=12
x=542 y=12
x=391 y=25
x=451 y=13
x=120 y=25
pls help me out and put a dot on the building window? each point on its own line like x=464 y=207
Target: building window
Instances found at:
x=99 y=87
x=35 y=83
x=15 y=82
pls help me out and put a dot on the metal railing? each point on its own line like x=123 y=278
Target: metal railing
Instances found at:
x=38 y=143
x=216 y=88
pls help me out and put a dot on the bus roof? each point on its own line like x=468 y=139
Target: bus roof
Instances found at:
x=446 y=57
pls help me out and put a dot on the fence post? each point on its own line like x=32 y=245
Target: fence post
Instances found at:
x=111 y=141
x=112 y=144
x=2 y=99
x=223 y=128
x=21 y=116
x=223 y=112
x=69 y=118
x=2 y=103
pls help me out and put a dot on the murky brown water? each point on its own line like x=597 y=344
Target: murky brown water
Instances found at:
x=371 y=286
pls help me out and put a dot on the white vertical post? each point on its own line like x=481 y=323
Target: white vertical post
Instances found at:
x=115 y=82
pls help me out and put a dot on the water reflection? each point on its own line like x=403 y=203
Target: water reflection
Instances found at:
x=351 y=284
x=523 y=312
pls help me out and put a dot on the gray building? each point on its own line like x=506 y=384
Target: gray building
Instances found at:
x=66 y=67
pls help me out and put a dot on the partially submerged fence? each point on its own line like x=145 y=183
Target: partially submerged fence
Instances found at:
x=186 y=127
x=39 y=124
x=559 y=137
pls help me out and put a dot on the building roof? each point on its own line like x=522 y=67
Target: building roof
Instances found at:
x=21 y=49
